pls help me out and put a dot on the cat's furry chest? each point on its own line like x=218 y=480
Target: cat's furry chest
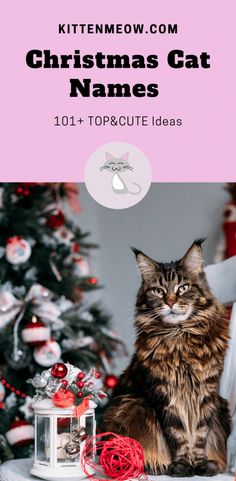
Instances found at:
x=181 y=360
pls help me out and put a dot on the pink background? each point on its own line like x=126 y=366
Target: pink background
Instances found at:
x=202 y=150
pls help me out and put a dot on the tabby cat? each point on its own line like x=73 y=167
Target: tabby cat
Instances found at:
x=168 y=397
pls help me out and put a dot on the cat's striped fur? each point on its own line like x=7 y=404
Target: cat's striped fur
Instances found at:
x=168 y=396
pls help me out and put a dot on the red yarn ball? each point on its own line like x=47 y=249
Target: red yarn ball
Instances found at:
x=121 y=457
x=111 y=381
x=59 y=370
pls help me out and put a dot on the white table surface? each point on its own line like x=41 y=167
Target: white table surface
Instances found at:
x=19 y=470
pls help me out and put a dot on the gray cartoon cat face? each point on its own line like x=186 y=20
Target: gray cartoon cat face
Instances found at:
x=116 y=164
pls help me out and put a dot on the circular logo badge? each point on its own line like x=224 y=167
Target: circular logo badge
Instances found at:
x=118 y=175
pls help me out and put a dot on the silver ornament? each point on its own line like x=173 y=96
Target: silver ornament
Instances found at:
x=39 y=381
x=79 y=435
x=18 y=360
x=72 y=450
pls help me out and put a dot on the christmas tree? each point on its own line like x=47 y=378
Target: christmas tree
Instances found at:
x=44 y=314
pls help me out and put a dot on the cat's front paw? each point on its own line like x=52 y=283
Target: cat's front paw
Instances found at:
x=180 y=468
x=207 y=468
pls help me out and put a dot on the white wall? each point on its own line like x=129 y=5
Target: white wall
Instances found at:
x=163 y=225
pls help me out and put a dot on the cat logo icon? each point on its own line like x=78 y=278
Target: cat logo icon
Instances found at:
x=118 y=175
x=118 y=166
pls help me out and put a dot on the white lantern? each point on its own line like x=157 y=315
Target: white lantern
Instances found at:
x=55 y=428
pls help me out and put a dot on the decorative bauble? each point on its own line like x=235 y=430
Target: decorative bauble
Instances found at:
x=18 y=359
x=56 y=220
x=35 y=333
x=92 y=281
x=81 y=265
x=72 y=450
x=39 y=381
x=59 y=370
x=47 y=354
x=80 y=376
x=22 y=190
x=2 y=392
x=111 y=381
x=63 y=422
x=18 y=250
x=20 y=433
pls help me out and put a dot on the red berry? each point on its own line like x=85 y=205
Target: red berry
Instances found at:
x=3 y=381
x=64 y=382
x=97 y=375
x=13 y=389
x=81 y=376
x=17 y=392
x=8 y=385
x=80 y=394
x=23 y=395
x=80 y=384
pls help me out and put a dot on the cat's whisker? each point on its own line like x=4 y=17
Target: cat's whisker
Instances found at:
x=128 y=167
x=104 y=167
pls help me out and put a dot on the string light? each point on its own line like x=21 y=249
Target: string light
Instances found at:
x=11 y=387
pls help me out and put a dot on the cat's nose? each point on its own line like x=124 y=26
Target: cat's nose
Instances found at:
x=170 y=300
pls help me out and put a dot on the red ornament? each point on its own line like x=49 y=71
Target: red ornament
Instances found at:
x=63 y=398
x=56 y=220
x=59 y=370
x=80 y=394
x=63 y=422
x=111 y=381
x=80 y=384
x=121 y=458
x=22 y=190
x=35 y=333
x=93 y=281
x=80 y=376
x=75 y=247
x=97 y=375
x=20 y=433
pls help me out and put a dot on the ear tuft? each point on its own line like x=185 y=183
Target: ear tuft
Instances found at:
x=135 y=251
x=193 y=259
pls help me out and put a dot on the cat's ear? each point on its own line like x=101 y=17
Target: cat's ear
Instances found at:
x=147 y=266
x=193 y=259
x=125 y=157
x=109 y=156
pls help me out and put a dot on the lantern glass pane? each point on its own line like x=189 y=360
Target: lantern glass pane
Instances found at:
x=65 y=427
x=90 y=425
x=43 y=439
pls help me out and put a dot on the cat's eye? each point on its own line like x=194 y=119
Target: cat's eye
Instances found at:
x=183 y=289
x=158 y=292
x=111 y=163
